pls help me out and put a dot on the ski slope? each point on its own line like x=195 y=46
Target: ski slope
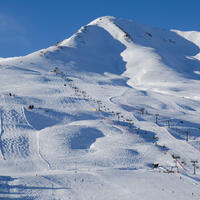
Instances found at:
x=88 y=117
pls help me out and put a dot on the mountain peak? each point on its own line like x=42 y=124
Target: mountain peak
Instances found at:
x=135 y=50
x=103 y=18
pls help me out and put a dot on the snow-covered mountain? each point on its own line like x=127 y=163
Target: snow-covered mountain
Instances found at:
x=91 y=116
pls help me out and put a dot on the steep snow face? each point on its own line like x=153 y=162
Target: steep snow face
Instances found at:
x=151 y=58
x=104 y=52
x=192 y=36
x=89 y=117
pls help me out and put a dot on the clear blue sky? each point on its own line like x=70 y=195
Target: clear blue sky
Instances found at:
x=29 y=25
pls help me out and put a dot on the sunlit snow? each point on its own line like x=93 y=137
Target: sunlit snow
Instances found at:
x=109 y=113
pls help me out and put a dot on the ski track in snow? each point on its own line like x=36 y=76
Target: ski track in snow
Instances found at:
x=39 y=153
x=1 y=134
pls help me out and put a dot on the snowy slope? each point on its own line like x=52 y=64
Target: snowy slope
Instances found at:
x=107 y=103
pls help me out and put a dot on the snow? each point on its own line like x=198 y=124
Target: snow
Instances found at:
x=108 y=102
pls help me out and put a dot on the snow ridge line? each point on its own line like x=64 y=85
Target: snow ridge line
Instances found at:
x=138 y=138
x=1 y=134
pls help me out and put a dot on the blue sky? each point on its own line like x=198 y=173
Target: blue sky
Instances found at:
x=30 y=25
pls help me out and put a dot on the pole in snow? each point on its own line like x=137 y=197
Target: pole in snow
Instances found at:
x=168 y=122
x=118 y=115
x=187 y=135
x=194 y=164
x=99 y=104
x=156 y=115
